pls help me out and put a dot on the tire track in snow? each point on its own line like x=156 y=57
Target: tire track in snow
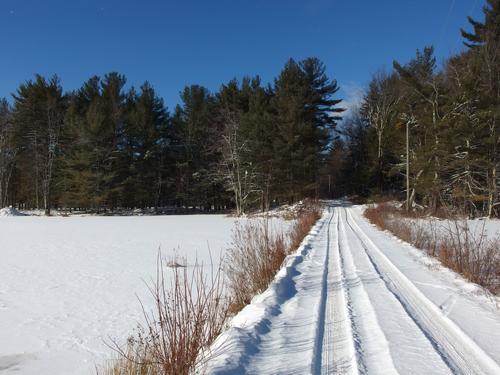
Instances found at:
x=339 y=354
x=427 y=334
x=458 y=350
x=320 y=350
x=326 y=337
x=372 y=349
x=403 y=333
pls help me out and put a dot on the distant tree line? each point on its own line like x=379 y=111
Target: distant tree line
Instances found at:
x=104 y=147
x=452 y=154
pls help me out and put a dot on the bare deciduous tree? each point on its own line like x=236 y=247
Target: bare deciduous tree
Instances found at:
x=238 y=174
x=8 y=151
x=54 y=125
x=380 y=107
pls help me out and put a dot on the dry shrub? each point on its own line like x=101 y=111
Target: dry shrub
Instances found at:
x=190 y=312
x=472 y=254
x=302 y=226
x=459 y=248
x=302 y=207
x=378 y=198
x=388 y=217
x=252 y=261
x=378 y=214
x=256 y=254
x=402 y=231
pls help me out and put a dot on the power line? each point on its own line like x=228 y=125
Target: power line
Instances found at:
x=445 y=24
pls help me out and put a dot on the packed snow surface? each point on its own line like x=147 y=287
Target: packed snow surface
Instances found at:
x=355 y=300
x=69 y=285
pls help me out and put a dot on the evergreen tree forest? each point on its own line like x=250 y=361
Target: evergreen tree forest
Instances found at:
x=105 y=146
x=429 y=134
x=424 y=132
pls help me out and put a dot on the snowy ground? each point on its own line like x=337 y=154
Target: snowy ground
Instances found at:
x=69 y=284
x=489 y=228
x=351 y=300
x=356 y=300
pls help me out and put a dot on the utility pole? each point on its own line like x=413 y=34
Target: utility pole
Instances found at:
x=410 y=120
x=408 y=165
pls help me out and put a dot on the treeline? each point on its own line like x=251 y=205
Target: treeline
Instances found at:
x=452 y=115
x=104 y=147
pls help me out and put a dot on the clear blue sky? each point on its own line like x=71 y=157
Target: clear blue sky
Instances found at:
x=208 y=42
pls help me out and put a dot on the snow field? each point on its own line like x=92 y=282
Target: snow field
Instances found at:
x=350 y=300
x=69 y=285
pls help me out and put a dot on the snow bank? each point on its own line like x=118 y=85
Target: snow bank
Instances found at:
x=241 y=339
x=10 y=211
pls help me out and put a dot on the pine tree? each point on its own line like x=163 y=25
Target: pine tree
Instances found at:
x=484 y=58
x=426 y=101
x=487 y=31
x=194 y=124
x=95 y=122
x=306 y=116
x=147 y=149
x=260 y=130
x=38 y=115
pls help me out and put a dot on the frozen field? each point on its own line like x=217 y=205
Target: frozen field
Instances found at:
x=352 y=299
x=69 y=284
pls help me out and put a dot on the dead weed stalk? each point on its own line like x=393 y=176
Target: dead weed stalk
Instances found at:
x=190 y=311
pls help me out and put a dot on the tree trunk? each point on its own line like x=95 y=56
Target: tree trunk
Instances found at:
x=492 y=193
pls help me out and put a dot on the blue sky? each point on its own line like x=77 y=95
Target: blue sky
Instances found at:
x=175 y=43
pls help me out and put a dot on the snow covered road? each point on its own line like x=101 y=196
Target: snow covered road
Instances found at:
x=354 y=300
